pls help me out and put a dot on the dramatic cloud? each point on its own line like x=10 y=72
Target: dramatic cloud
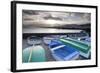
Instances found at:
x=54 y=19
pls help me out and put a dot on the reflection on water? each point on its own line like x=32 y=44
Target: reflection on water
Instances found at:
x=48 y=30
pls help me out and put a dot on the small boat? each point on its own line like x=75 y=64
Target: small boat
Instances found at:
x=33 y=40
x=33 y=54
x=82 y=47
x=63 y=52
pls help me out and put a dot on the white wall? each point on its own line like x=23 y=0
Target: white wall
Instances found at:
x=5 y=36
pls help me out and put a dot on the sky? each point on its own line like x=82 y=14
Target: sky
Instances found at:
x=53 y=19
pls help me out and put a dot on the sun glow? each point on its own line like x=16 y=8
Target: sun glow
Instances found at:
x=51 y=21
